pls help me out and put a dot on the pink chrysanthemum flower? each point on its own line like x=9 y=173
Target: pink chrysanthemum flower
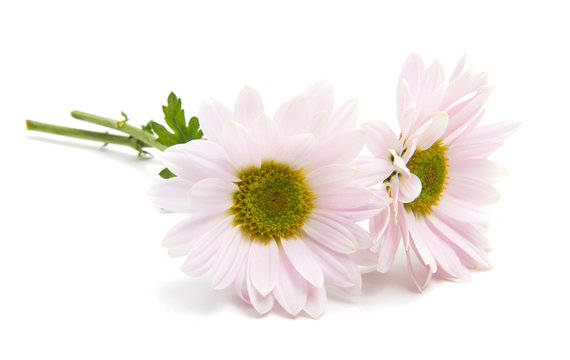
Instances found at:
x=441 y=177
x=272 y=202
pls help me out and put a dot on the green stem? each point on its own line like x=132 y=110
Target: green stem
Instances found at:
x=122 y=126
x=85 y=134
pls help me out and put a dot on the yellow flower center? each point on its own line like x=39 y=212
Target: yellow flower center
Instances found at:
x=272 y=202
x=430 y=166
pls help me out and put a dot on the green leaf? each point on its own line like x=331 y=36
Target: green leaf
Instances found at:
x=166 y=174
x=176 y=121
x=147 y=127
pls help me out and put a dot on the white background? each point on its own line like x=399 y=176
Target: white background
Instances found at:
x=82 y=273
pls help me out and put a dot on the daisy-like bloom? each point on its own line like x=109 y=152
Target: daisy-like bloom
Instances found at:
x=442 y=177
x=272 y=202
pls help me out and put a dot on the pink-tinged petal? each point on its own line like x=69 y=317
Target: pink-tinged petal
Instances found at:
x=410 y=188
x=470 y=111
x=262 y=304
x=172 y=195
x=299 y=254
x=461 y=210
x=472 y=190
x=378 y=225
x=413 y=72
x=263 y=266
x=229 y=261
x=240 y=145
x=345 y=116
x=182 y=236
x=338 y=269
x=203 y=254
x=240 y=284
x=342 y=147
x=404 y=102
x=330 y=176
x=388 y=246
x=296 y=150
x=319 y=125
x=433 y=79
x=433 y=132
x=408 y=121
x=320 y=97
x=361 y=236
x=316 y=301
x=213 y=115
x=421 y=273
x=248 y=107
x=291 y=289
x=399 y=163
x=403 y=220
x=380 y=138
x=366 y=260
x=329 y=234
x=467 y=231
x=372 y=171
x=459 y=242
x=459 y=68
x=344 y=198
x=265 y=133
x=197 y=160
x=493 y=134
x=419 y=238
x=448 y=263
x=212 y=195
x=292 y=117
x=466 y=128
x=481 y=169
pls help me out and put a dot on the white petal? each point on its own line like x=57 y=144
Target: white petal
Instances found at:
x=230 y=260
x=467 y=113
x=399 y=163
x=459 y=68
x=213 y=115
x=421 y=273
x=410 y=188
x=240 y=145
x=172 y=194
x=419 y=238
x=291 y=289
x=433 y=132
x=413 y=73
x=380 y=138
x=249 y=106
x=320 y=97
x=433 y=79
x=292 y=117
x=296 y=150
x=263 y=266
x=316 y=301
x=300 y=256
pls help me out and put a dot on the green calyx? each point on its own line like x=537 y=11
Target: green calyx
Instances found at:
x=430 y=166
x=272 y=202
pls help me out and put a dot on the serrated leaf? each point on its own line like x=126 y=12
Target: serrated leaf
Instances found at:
x=166 y=174
x=176 y=121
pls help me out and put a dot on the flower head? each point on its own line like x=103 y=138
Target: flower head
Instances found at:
x=441 y=175
x=272 y=202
